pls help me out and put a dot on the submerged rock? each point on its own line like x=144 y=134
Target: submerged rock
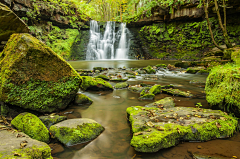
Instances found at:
x=50 y=120
x=16 y=144
x=82 y=99
x=167 y=102
x=121 y=85
x=76 y=131
x=150 y=93
x=34 y=77
x=177 y=92
x=154 y=129
x=32 y=126
x=90 y=83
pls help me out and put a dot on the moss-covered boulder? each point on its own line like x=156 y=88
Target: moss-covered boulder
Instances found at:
x=35 y=77
x=149 y=70
x=177 y=92
x=31 y=125
x=82 y=99
x=102 y=77
x=222 y=88
x=193 y=70
x=154 y=129
x=121 y=85
x=16 y=144
x=51 y=119
x=167 y=102
x=90 y=83
x=10 y=23
x=76 y=131
x=149 y=93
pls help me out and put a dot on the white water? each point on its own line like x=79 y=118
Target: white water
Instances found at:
x=102 y=47
x=123 y=47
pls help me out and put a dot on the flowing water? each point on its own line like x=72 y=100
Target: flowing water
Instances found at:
x=101 y=47
x=109 y=109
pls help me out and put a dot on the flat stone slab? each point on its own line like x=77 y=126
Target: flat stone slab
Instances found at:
x=75 y=131
x=154 y=129
x=167 y=102
x=12 y=141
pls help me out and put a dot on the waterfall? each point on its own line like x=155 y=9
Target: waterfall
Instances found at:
x=102 y=47
x=124 y=42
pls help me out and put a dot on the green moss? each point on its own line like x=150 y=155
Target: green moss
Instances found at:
x=156 y=89
x=144 y=140
x=102 y=77
x=82 y=99
x=177 y=92
x=36 y=78
x=161 y=65
x=51 y=120
x=32 y=126
x=83 y=133
x=95 y=83
x=236 y=55
x=121 y=85
x=149 y=70
x=192 y=70
x=222 y=87
x=4 y=109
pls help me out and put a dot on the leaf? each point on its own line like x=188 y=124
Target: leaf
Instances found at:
x=218 y=125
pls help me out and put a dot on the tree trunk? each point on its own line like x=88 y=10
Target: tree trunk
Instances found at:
x=209 y=25
x=227 y=41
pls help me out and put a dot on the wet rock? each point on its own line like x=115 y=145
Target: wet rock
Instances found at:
x=38 y=78
x=194 y=70
x=171 y=67
x=141 y=71
x=149 y=94
x=121 y=85
x=82 y=99
x=10 y=23
x=161 y=65
x=157 y=129
x=177 y=92
x=167 y=102
x=149 y=70
x=56 y=148
x=99 y=69
x=136 y=88
x=96 y=84
x=32 y=126
x=76 y=131
x=102 y=77
x=51 y=119
x=182 y=64
x=11 y=141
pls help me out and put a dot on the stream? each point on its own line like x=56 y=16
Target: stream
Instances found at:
x=109 y=109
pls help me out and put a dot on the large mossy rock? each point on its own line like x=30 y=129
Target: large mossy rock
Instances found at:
x=10 y=23
x=31 y=125
x=35 y=77
x=11 y=142
x=91 y=83
x=154 y=129
x=222 y=88
x=76 y=131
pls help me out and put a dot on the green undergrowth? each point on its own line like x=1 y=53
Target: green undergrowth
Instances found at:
x=59 y=40
x=178 y=40
x=222 y=87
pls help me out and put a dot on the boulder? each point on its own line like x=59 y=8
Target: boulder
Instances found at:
x=32 y=126
x=177 y=92
x=222 y=88
x=149 y=70
x=167 y=102
x=34 y=77
x=136 y=88
x=121 y=85
x=10 y=23
x=154 y=129
x=149 y=93
x=51 y=119
x=75 y=131
x=90 y=83
x=16 y=144
x=82 y=99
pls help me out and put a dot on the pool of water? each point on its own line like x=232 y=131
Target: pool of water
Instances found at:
x=109 y=109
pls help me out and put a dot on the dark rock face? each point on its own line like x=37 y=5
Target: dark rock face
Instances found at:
x=10 y=23
x=34 y=77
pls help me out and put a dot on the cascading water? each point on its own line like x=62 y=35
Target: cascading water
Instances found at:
x=103 y=48
x=124 y=43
